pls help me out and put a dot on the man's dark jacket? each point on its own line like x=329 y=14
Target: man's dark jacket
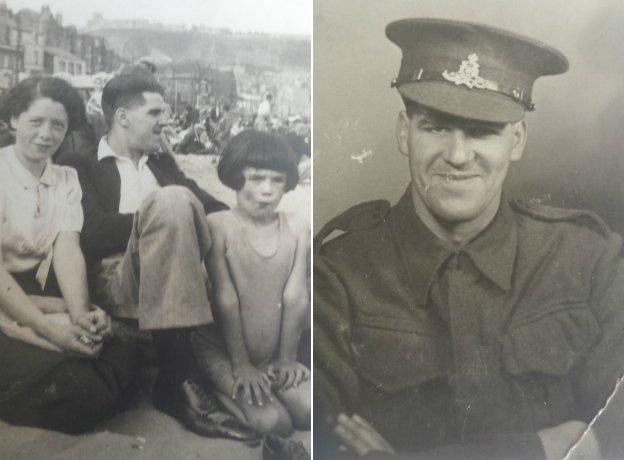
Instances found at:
x=105 y=231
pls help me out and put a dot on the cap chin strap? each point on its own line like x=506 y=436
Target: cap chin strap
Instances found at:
x=517 y=94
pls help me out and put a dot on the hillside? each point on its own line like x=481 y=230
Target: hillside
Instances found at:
x=217 y=48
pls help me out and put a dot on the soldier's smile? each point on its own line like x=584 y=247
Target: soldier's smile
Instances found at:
x=457 y=165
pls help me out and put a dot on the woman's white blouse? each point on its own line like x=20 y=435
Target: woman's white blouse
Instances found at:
x=34 y=211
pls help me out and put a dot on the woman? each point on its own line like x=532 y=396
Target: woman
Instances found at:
x=57 y=372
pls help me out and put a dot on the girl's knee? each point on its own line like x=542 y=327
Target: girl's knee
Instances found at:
x=300 y=412
x=271 y=419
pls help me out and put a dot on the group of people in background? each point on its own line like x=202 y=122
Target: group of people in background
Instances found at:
x=96 y=235
x=207 y=131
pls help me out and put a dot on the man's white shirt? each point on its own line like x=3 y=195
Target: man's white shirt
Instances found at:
x=136 y=181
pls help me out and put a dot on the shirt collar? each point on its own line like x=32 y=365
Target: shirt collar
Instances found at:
x=25 y=177
x=106 y=151
x=493 y=251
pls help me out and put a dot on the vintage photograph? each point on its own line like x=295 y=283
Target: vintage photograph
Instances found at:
x=468 y=207
x=155 y=203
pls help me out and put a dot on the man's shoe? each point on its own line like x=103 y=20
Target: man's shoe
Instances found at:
x=188 y=395
x=276 y=448
x=191 y=405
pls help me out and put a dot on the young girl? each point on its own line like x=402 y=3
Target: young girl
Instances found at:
x=257 y=266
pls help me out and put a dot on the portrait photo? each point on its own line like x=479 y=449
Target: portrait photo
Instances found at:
x=155 y=206
x=467 y=219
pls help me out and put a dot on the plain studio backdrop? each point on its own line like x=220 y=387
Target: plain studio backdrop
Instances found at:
x=574 y=156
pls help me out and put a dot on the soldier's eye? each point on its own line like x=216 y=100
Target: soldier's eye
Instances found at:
x=436 y=128
x=481 y=131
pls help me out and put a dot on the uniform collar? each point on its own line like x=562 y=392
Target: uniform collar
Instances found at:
x=24 y=176
x=493 y=251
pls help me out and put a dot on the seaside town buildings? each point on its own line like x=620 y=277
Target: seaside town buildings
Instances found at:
x=36 y=42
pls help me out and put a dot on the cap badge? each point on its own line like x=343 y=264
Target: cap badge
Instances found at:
x=517 y=93
x=468 y=74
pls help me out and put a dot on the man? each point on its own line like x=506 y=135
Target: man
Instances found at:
x=456 y=324
x=223 y=129
x=263 y=115
x=145 y=236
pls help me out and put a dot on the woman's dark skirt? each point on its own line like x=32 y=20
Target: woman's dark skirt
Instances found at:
x=57 y=391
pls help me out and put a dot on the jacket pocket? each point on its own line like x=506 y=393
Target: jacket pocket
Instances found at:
x=551 y=342
x=394 y=354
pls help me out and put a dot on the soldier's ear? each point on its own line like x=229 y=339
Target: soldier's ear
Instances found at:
x=402 y=132
x=520 y=138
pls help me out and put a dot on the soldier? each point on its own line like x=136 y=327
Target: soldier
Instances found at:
x=457 y=323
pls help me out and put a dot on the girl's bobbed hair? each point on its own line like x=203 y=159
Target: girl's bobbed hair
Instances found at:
x=257 y=149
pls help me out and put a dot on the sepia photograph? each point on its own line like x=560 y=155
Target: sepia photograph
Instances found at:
x=468 y=207
x=155 y=229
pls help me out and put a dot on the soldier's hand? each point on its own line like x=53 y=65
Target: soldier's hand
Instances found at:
x=359 y=436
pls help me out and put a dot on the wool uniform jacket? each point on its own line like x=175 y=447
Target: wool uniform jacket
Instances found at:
x=468 y=353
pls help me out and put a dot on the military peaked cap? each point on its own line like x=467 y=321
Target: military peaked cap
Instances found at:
x=470 y=70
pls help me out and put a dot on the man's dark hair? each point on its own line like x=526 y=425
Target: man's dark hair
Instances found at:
x=412 y=108
x=126 y=91
x=257 y=149
x=19 y=98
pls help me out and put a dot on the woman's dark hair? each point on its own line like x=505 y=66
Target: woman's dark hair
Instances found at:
x=257 y=149
x=19 y=98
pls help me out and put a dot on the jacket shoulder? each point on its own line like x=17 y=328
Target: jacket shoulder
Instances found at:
x=164 y=160
x=545 y=213
x=363 y=216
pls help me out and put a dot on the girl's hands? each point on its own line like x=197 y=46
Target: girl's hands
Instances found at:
x=251 y=381
x=287 y=373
